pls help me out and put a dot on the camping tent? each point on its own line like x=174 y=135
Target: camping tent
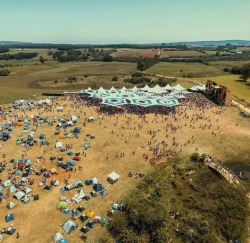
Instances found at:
x=98 y=187
x=10 y=231
x=113 y=177
x=25 y=199
x=11 y=189
x=19 y=195
x=58 y=145
x=58 y=238
x=90 y=214
x=27 y=190
x=69 y=226
x=10 y=205
x=61 y=205
x=9 y=217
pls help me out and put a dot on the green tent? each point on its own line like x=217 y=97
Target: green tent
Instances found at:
x=61 y=205
x=85 y=147
x=102 y=221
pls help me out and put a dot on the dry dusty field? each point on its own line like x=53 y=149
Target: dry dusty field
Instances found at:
x=37 y=221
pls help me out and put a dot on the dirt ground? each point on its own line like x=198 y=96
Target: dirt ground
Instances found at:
x=37 y=221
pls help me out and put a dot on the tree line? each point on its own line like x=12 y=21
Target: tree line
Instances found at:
x=18 y=56
x=243 y=71
x=4 y=49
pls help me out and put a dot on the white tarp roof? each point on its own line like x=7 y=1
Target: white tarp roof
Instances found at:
x=146 y=87
x=179 y=87
x=59 y=145
x=101 y=90
x=113 y=176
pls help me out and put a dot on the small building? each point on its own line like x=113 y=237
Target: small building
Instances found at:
x=113 y=178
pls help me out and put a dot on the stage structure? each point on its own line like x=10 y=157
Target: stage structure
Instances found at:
x=218 y=93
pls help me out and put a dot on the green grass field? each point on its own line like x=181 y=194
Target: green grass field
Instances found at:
x=26 y=79
x=189 y=53
x=180 y=69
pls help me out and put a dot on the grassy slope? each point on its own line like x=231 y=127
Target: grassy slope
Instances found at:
x=194 y=69
x=24 y=79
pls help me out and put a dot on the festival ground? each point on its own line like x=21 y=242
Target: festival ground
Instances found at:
x=217 y=131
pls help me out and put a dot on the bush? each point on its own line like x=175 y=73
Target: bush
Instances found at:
x=115 y=78
x=195 y=157
x=86 y=75
x=4 y=72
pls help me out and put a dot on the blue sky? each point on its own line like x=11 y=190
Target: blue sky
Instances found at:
x=123 y=21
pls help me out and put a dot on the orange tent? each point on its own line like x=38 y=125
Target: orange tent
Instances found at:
x=90 y=214
x=61 y=136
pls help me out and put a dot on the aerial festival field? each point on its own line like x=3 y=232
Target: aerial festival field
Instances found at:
x=67 y=162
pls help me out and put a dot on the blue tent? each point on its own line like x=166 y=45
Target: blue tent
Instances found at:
x=70 y=153
x=70 y=163
x=88 y=182
x=66 y=211
x=62 y=190
x=63 y=241
x=9 y=217
x=25 y=199
x=74 y=212
x=102 y=192
x=47 y=187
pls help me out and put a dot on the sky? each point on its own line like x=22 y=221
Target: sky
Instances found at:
x=123 y=21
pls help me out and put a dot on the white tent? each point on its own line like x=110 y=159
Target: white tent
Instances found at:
x=101 y=90
x=146 y=88
x=89 y=89
x=27 y=190
x=178 y=87
x=69 y=226
x=59 y=145
x=134 y=89
x=113 y=177
x=112 y=88
x=11 y=189
x=123 y=89
x=10 y=205
x=7 y=183
x=19 y=195
x=57 y=237
x=156 y=89
x=167 y=87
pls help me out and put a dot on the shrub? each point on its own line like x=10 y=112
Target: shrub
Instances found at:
x=4 y=72
x=195 y=157
x=115 y=78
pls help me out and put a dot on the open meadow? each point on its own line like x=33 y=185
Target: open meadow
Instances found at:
x=180 y=69
x=37 y=221
x=129 y=52
x=28 y=79
x=188 y=53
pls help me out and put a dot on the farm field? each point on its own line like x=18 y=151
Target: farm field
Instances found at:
x=192 y=70
x=129 y=52
x=227 y=64
x=181 y=54
x=41 y=52
x=37 y=221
